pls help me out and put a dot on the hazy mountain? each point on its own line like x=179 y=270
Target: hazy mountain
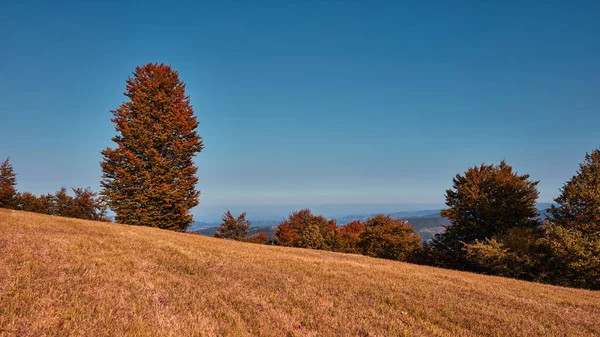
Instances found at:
x=427 y=223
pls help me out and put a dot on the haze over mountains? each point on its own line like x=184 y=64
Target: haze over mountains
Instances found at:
x=427 y=222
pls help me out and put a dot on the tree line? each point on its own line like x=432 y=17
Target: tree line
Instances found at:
x=83 y=204
x=149 y=179
x=495 y=229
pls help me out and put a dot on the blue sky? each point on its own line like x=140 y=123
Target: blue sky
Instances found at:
x=342 y=106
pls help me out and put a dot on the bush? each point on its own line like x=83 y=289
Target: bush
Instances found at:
x=312 y=238
x=259 y=238
x=85 y=204
x=348 y=237
x=574 y=256
x=518 y=253
x=290 y=232
x=389 y=238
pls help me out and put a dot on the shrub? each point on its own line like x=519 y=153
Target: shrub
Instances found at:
x=389 y=238
x=574 y=256
x=290 y=232
x=259 y=238
x=348 y=237
x=312 y=238
x=85 y=204
x=518 y=253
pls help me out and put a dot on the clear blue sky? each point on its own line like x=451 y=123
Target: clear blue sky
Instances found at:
x=311 y=103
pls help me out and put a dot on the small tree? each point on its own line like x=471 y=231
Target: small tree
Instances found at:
x=311 y=237
x=87 y=205
x=578 y=206
x=348 y=237
x=485 y=202
x=8 y=181
x=518 y=253
x=29 y=202
x=289 y=232
x=63 y=203
x=389 y=238
x=233 y=228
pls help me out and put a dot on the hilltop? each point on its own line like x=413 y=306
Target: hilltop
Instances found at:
x=61 y=276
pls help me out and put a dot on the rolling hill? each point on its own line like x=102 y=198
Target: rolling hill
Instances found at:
x=62 y=276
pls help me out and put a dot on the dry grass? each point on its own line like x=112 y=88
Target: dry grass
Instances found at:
x=63 y=276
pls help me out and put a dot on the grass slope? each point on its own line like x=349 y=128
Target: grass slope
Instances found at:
x=63 y=276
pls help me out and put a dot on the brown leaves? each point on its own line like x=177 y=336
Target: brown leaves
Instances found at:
x=149 y=178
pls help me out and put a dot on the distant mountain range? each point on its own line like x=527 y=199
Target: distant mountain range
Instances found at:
x=427 y=223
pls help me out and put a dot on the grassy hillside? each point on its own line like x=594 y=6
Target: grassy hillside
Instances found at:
x=71 y=277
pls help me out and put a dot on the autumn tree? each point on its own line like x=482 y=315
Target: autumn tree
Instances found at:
x=311 y=237
x=348 y=237
x=388 y=238
x=290 y=232
x=62 y=203
x=149 y=177
x=261 y=238
x=8 y=180
x=233 y=228
x=44 y=204
x=578 y=205
x=573 y=230
x=484 y=203
x=86 y=204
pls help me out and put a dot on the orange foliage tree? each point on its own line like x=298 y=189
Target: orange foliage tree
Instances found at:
x=299 y=231
x=487 y=201
x=149 y=178
x=389 y=238
x=261 y=238
x=348 y=237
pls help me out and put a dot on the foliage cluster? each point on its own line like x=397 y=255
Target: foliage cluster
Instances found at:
x=83 y=204
x=496 y=229
x=380 y=236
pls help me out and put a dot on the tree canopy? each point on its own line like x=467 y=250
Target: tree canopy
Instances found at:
x=486 y=201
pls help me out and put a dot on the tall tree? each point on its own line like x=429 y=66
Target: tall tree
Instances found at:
x=149 y=178
x=8 y=180
x=232 y=227
x=485 y=202
x=578 y=205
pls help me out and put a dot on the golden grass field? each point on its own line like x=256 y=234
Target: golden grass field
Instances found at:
x=62 y=277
